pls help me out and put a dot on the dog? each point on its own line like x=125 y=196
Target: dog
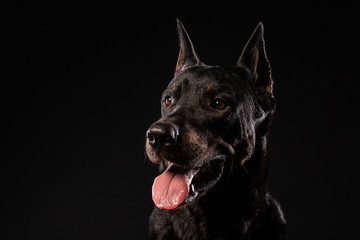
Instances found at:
x=212 y=149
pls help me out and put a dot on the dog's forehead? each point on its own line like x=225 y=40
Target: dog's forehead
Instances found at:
x=204 y=77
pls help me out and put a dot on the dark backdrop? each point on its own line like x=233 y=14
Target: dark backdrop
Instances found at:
x=81 y=84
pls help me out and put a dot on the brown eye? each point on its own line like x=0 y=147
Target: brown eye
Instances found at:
x=219 y=104
x=168 y=101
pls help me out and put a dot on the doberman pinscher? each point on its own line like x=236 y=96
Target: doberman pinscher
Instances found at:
x=211 y=146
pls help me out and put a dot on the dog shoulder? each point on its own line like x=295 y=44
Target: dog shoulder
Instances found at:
x=275 y=210
x=270 y=223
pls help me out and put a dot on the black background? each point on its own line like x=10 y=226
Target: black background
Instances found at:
x=80 y=85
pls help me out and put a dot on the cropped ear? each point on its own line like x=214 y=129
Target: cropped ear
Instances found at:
x=255 y=60
x=187 y=56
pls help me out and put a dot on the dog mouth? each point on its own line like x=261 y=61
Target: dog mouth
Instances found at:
x=178 y=184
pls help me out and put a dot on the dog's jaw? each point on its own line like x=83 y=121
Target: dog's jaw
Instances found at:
x=206 y=178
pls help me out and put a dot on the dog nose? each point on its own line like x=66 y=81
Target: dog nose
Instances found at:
x=162 y=135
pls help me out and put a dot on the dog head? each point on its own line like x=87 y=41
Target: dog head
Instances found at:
x=212 y=121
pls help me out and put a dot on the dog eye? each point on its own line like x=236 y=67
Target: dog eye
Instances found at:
x=168 y=101
x=219 y=104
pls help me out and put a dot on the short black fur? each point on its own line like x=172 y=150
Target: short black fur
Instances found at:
x=216 y=121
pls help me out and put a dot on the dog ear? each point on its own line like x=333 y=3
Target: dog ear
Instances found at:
x=187 y=56
x=254 y=58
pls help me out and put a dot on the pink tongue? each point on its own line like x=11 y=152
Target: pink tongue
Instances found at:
x=172 y=186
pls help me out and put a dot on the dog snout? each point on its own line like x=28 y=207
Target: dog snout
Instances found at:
x=161 y=135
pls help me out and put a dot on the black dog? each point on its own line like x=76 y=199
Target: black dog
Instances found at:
x=211 y=144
